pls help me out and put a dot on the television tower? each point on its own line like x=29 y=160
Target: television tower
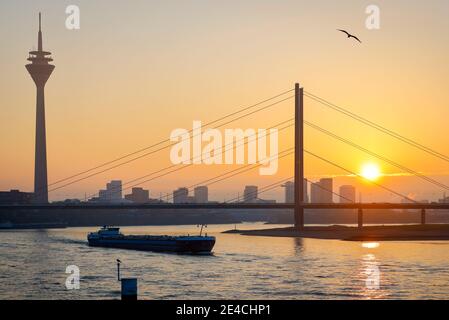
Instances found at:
x=40 y=70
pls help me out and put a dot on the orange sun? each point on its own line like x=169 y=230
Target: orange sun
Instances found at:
x=370 y=171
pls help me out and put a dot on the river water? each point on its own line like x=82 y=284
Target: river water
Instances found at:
x=33 y=265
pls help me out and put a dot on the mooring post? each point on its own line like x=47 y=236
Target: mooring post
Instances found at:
x=423 y=216
x=299 y=157
x=118 y=269
x=360 y=218
x=129 y=289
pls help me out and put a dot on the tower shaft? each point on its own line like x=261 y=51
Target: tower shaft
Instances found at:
x=40 y=70
x=40 y=155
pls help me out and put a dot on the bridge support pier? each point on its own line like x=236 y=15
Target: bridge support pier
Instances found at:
x=360 y=218
x=423 y=216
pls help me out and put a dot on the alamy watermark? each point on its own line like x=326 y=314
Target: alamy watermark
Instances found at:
x=72 y=282
x=372 y=22
x=72 y=21
x=262 y=147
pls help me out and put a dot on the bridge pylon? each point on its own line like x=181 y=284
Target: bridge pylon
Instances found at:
x=299 y=157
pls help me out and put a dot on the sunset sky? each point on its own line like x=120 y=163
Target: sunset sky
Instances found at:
x=138 y=69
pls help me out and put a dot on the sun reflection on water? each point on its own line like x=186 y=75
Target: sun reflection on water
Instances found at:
x=370 y=245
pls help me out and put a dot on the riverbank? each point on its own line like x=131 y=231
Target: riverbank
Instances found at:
x=369 y=233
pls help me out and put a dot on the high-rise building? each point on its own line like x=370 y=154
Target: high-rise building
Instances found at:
x=181 y=195
x=112 y=193
x=250 y=194
x=201 y=194
x=138 y=195
x=114 y=189
x=315 y=193
x=306 y=194
x=290 y=192
x=40 y=70
x=322 y=191
x=347 y=193
x=326 y=190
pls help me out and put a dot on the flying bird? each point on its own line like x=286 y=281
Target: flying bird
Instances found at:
x=350 y=35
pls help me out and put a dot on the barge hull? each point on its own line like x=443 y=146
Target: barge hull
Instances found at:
x=198 y=246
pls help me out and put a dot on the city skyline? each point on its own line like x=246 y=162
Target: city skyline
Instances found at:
x=321 y=191
x=58 y=168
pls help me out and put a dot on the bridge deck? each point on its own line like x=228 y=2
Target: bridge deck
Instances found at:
x=435 y=206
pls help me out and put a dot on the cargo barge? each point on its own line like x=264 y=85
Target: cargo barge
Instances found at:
x=111 y=237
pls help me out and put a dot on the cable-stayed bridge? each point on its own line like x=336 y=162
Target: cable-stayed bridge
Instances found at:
x=298 y=122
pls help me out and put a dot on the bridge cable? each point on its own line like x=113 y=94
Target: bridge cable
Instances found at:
x=168 y=140
x=165 y=147
x=261 y=190
x=246 y=141
x=402 y=167
x=188 y=165
x=276 y=185
x=377 y=126
x=234 y=172
x=356 y=174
